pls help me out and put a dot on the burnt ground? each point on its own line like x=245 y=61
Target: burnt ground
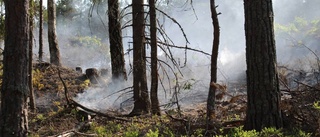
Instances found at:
x=54 y=117
x=50 y=98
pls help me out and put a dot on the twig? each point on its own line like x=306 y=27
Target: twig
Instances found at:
x=180 y=47
x=176 y=22
x=306 y=85
x=120 y=91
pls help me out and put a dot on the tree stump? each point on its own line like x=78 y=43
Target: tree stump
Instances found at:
x=93 y=75
x=79 y=69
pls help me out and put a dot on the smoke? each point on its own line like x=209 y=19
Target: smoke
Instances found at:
x=197 y=25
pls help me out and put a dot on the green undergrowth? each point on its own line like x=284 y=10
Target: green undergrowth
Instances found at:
x=164 y=127
x=148 y=127
x=266 y=132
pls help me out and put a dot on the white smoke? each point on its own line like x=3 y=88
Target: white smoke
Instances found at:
x=197 y=25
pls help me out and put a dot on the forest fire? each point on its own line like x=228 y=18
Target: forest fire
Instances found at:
x=160 y=68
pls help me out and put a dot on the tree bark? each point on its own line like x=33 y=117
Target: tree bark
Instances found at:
x=214 y=60
x=262 y=80
x=140 y=90
x=31 y=24
x=40 y=31
x=155 y=108
x=15 y=90
x=116 y=46
x=52 y=36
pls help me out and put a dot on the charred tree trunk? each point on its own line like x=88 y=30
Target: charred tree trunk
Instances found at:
x=155 y=108
x=214 y=60
x=52 y=36
x=140 y=91
x=40 y=31
x=31 y=24
x=262 y=80
x=15 y=90
x=116 y=46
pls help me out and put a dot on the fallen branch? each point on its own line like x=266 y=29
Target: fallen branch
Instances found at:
x=76 y=104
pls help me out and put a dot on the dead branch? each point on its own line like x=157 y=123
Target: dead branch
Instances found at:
x=162 y=85
x=66 y=94
x=182 y=30
x=126 y=24
x=169 y=55
x=163 y=33
x=172 y=59
x=76 y=104
x=124 y=9
x=312 y=87
x=120 y=91
x=123 y=94
x=124 y=15
x=180 y=47
x=166 y=39
x=176 y=22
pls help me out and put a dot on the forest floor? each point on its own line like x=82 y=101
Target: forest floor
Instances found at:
x=54 y=117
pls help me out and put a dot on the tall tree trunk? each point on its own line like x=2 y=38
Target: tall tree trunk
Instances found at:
x=155 y=108
x=116 y=45
x=214 y=60
x=262 y=80
x=15 y=90
x=140 y=90
x=52 y=36
x=31 y=24
x=40 y=30
x=2 y=20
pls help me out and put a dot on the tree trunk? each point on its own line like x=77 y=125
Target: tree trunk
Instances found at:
x=214 y=60
x=155 y=108
x=15 y=90
x=262 y=79
x=40 y=31
x=2 y=20
x=52 y=36
x=31 y=24
x=116 y=46
x=140 y=91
